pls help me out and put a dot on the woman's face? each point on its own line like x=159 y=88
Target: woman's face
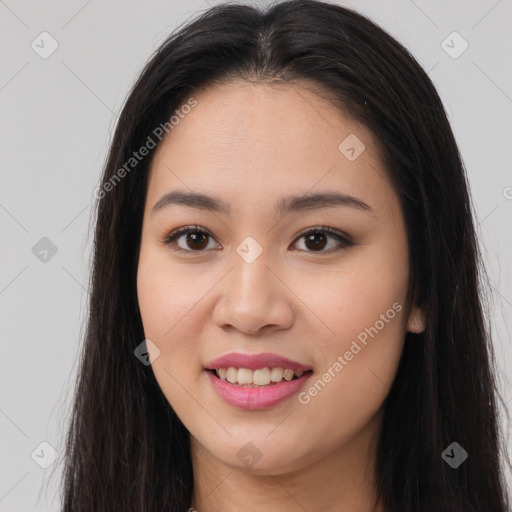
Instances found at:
x=272 y=161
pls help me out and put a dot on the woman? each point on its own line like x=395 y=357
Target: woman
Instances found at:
x=285 y=309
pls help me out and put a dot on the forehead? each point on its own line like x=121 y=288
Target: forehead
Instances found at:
x=255 y=141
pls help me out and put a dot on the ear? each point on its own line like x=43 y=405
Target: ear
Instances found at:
x=416 y=320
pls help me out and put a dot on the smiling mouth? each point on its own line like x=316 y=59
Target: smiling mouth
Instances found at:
x=259 y=378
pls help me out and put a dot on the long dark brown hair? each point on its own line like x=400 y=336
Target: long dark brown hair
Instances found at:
x=126 y=449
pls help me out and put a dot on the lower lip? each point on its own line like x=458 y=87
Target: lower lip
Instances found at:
x=254 y=398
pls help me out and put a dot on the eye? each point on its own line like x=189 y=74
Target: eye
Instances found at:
x=316 y=239
x=195 y=239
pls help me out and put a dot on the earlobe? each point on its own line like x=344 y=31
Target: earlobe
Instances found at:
x=416 y=321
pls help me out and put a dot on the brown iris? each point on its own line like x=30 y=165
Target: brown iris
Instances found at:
x=198 y=238
x=316 y=243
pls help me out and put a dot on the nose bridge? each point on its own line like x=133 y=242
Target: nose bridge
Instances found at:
x=251 y=273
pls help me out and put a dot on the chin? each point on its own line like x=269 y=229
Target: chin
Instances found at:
x=260 y=457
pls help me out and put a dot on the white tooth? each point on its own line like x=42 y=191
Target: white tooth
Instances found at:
x=231 y=375
x=221 y=372
x=276 y=374
x=288 y=374
x=261 y=377
x=244 y=376
x=298 y=373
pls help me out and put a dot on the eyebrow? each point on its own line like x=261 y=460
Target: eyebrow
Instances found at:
x=294 y=203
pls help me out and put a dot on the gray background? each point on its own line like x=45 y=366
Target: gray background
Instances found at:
x=57 y=116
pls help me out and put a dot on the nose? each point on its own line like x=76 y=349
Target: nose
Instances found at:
x=254 y=298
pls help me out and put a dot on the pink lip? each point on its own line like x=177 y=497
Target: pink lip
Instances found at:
x=254 y=398
x=255 y=361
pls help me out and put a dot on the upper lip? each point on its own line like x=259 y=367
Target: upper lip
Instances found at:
x=255 y=361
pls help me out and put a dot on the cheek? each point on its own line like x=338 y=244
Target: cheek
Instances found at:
x=168 y=301
x=168 y=306
x=364 y=307
x=353 y=298
x=166 y=293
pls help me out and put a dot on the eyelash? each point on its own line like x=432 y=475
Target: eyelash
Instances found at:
x=177 y=233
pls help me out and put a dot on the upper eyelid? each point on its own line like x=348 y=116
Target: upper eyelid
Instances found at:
x=327 y=229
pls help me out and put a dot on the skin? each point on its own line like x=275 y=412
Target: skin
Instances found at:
x=250 y=144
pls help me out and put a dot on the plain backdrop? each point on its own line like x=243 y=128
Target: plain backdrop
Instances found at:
x=57 y=116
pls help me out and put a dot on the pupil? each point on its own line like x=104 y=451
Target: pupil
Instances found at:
x=311 y=238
